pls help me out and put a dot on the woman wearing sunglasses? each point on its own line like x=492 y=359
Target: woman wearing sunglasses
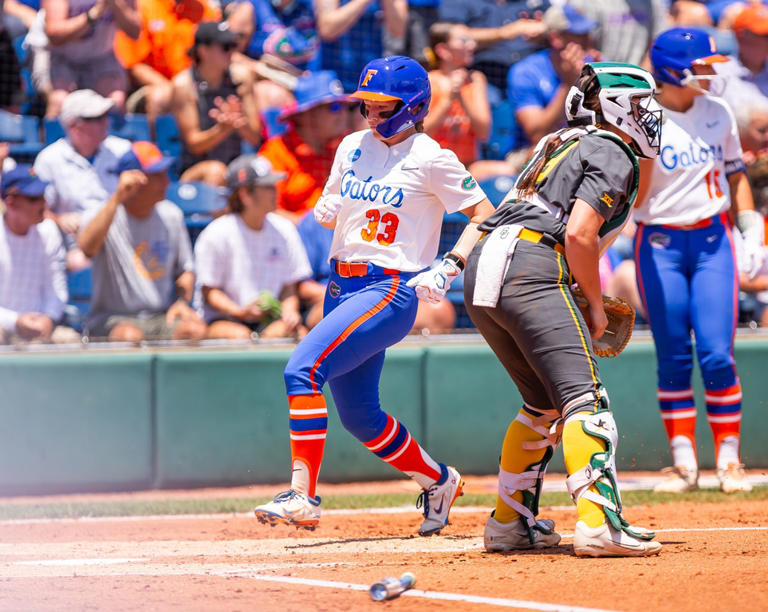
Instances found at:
x=385 y=198
x=214 y=106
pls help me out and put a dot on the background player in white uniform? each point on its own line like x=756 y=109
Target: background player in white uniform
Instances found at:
x=386 y=196
x=686 y=267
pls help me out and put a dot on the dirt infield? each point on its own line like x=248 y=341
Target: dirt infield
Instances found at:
x=715 y=557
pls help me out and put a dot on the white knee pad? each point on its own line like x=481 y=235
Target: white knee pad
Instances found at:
x=550 y=426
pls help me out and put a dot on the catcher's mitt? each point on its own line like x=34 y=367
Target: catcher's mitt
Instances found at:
x=621 y=321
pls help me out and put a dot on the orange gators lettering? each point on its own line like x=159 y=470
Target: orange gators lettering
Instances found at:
x=368 y=76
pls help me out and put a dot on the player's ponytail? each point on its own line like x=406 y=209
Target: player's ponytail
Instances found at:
x=526 y=186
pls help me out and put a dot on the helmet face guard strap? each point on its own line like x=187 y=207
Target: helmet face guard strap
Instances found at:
x=400 y=79
x=625 y=95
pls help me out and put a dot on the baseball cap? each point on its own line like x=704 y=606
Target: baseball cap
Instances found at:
x=313 y=89
x=144 y=156
x=22 y=180
x=214 y=32
x=753 y=18
x=567 y=19
x=84 y=104
x=251 y=170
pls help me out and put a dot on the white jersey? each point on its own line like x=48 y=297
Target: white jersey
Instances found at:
x=699 y=149
x=75 y=183
x=32 y=277
x=242 y=261
x=394 y=198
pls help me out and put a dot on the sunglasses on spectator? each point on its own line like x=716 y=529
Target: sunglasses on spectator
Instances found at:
x=227 y=47
x=94 y=119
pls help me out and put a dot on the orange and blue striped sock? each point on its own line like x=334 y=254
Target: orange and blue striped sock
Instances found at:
x=308 y=426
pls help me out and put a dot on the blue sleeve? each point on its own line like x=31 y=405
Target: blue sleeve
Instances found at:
x=317 y=243
x=523 y=86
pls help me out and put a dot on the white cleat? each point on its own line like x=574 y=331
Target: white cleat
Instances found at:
x=679 y=480
x=502 y=537
x=733 y=479
x=437 y=502
x=605 y=541
x=290 y=508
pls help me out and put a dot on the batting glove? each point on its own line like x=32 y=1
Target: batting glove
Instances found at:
x=327 y=208
x=751 y=226
x=433 y=284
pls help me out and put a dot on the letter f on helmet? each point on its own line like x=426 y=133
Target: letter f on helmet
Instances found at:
x=400 y=79
x=367 y=77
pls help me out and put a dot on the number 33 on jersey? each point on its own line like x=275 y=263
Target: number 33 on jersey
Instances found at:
x=394 y=198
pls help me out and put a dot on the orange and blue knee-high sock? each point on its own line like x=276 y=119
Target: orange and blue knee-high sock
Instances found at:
x=308 y=426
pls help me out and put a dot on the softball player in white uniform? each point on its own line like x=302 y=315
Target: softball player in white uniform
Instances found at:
x=686 y=267
x=388 y=190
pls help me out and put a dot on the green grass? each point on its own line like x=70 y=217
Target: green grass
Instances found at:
x=246 y=504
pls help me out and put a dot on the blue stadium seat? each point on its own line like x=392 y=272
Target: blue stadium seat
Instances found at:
x=497 y=187
x=52 y=130
x=167 y=137
x=502 y=131
x=198 y=202
x=133 y=127
x=23 y=134
x=80 y=288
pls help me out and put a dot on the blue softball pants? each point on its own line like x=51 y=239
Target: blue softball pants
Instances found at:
x=363 y=316
x=688 y=282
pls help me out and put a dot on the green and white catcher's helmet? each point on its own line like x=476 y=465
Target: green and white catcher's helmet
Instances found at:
x=625 y=92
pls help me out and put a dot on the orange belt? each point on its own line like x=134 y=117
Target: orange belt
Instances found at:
x=347 y=269
x=722 y=218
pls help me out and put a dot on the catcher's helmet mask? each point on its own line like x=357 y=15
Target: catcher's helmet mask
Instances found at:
x=625 y=94
x=395 y=78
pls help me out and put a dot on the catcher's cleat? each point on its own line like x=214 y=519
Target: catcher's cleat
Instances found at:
x=502 y=537
x=290 y=508
x=733 y=479
x=679 y=480
x=605 y=541
x=437 y=501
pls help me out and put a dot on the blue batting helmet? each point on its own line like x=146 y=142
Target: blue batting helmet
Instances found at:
x=396 y=78
x=676 y=51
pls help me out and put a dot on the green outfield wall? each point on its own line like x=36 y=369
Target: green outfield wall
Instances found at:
x=100 y=420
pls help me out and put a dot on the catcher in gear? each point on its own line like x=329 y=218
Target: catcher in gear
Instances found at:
x=569 y=202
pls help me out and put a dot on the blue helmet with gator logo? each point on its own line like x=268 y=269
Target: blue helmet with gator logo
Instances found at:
x=395 y=78
x=675 y=52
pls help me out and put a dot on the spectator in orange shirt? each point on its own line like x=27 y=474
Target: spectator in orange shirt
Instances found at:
x=318 y=120
x=160 y=53
x=459 y=114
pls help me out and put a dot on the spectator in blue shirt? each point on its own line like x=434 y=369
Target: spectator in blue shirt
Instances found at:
x=352 y=33
x=505 y=33
x=538 y=85
x=284 y=29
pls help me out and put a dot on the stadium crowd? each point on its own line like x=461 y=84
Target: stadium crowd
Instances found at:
x=159 y=157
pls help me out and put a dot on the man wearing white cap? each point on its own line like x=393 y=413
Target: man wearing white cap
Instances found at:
x=80 y=168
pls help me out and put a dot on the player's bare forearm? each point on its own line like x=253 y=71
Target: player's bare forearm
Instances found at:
x=741 y=193
x=471 y=234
